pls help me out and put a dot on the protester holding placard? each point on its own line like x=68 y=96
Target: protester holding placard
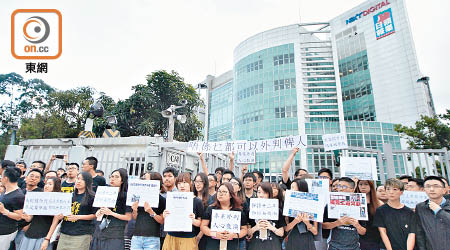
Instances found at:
x=77 y=229
x=146 y=234
x=433 y=216
x=395 y=221
x=225 y=200
x=301 y=229
x=185 y=240
x=345 y=231
x=37 y=236
x=11 y=205
x=109 y=235
x=274 y=228
x=371 y=239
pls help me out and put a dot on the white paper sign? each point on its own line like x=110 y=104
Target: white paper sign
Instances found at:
x=320 y=187
x=348 y=204
x=264 y=209
x=334 y=141
x=224 y=220
x=412 y=198
x=44 y=203
x=245 y=157
x=363 y=168
x=269 y=145
x=180 y=205
x=143 y=191
x=106 y=196
x=301 y=202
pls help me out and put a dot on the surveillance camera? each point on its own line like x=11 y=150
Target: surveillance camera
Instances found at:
x=184 y=102
x=167 y=113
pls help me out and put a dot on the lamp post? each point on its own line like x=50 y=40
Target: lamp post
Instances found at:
x=426 y=81
x=170 y=114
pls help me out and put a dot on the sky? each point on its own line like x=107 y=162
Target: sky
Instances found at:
x=112 y=45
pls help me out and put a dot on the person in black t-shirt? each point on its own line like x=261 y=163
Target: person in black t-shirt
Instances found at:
x=11 y=205
x=274 y=228
x=31 y=180
x=72 y=172
x=90 y=165
x=37 y=237
x=148 y=220
x=370 y=240
x=301 y=229
x=111 y=236
x=186 y=239
x=77 y=228
x=225 y=200
x=395 y=221
x=345 y=231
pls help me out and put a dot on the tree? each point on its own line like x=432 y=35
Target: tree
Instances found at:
x=45 y=126
x=25 y=98
x=140 y=113
x=428 y=133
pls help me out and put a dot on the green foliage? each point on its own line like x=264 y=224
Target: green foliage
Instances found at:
x=140 y=113
x=428 y=133
x=45 y=126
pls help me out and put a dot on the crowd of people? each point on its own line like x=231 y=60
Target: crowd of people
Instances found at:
x=391 y=225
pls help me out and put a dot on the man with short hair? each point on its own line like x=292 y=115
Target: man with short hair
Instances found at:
x=259 y=177
x=11 y=205
x=5 y=164
x=32 y=180
x=169 y=175
x=321 y=244
x=100 y=172
x=395 y=221
x=61 y=171
x=345 y=231
x=50 y=174
x=447 y=188
x=90 y=165
x=405 y=178
x=433 y=217
x=414 y=184
x=72 y=172
x=249 y=185
x=41 y=166
x=227 y=175
x=23 y=169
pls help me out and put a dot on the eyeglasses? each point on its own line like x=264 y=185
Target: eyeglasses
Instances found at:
x=198 y=182
x=433 y=186
x=223 y=192
x=342 y=186
x=234 y=183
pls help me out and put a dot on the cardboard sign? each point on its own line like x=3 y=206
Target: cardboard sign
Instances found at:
x=353 y=205
x=363 y=168
x=45 y=203
x=143 y=191
x=334 y=141
x=264 y=209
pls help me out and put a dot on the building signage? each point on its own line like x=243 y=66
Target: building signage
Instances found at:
x=384 y=24
x=368 y=11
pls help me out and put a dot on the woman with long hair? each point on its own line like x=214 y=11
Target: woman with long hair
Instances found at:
x=226 y=199
x=275 y=229
x=185 y=240
x=110 y=233
x=371 y=239
x=239 y=192
x=301 y=230
x=77 y=228
x=277 y=192
x=201 y=191
x=146 y=233
x=37 y=236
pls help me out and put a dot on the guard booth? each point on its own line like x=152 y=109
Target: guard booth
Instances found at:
x=137 y=154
